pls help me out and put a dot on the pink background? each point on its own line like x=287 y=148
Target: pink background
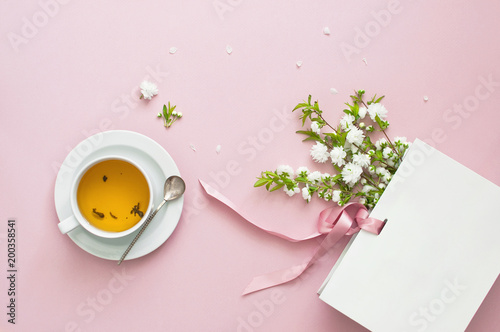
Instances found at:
x=77 y=74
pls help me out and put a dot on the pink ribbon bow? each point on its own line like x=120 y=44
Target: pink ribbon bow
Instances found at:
x=335 y=222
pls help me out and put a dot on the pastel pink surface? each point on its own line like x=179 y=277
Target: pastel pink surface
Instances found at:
x=77 y=74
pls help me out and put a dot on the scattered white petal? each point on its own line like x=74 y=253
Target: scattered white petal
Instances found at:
x=366 y=62
x=229 y=49
x=218 y=148
x=326 y=31
x=426 y=98
x=172 y=50
x=299 y=63
x=333 y=91
x=192 y=147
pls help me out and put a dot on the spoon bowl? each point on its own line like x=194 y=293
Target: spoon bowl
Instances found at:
x=174 y=187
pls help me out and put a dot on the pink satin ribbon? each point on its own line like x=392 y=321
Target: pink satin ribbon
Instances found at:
x=335 y=222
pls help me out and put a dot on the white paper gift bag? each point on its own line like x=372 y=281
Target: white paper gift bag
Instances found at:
x=436 y=258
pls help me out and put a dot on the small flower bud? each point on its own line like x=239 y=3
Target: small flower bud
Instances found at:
x=362 y=125
x=179 y=114
x=159 y=115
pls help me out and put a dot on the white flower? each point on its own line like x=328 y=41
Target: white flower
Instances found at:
x=355 y=136
x=291 y=192
x=336 y=196
x=325 y=176
x=319 y=152
x=367 y=188
x=380 y=143
x=148 y=90
x=350 y=147
x=361 y=159
x=346 y=121
x=282 y=169
x=386 y=152
x=314 y=176
x=338 y=154
x=362 y=112
x=302 y=171
x=377 y=109
x=351 y=174
x=305 y=194
x=400 y=139
x=381 y=171
x=362 y=200
x=315 y=127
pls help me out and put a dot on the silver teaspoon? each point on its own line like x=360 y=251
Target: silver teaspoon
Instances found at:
x=174 y=188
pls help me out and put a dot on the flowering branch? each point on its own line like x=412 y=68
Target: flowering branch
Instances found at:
x=362 y=169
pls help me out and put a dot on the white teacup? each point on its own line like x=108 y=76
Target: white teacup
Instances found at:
x=77 y=218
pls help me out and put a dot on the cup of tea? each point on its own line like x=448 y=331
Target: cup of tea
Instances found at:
x=110 y=197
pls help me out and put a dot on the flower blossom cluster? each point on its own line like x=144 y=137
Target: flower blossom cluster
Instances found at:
x=361 y=168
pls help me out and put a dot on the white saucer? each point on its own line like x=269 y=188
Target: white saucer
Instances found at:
x=155 y=161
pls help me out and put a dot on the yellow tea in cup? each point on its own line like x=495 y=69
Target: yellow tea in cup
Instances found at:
x=113 y=195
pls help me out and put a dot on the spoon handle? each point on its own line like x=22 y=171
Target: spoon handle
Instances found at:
x=146 y=223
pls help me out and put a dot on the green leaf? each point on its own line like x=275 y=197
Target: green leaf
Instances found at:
x=277 y=186
x=312 y=139
x=379 y=122
x=300 y=105
x=260 y=182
